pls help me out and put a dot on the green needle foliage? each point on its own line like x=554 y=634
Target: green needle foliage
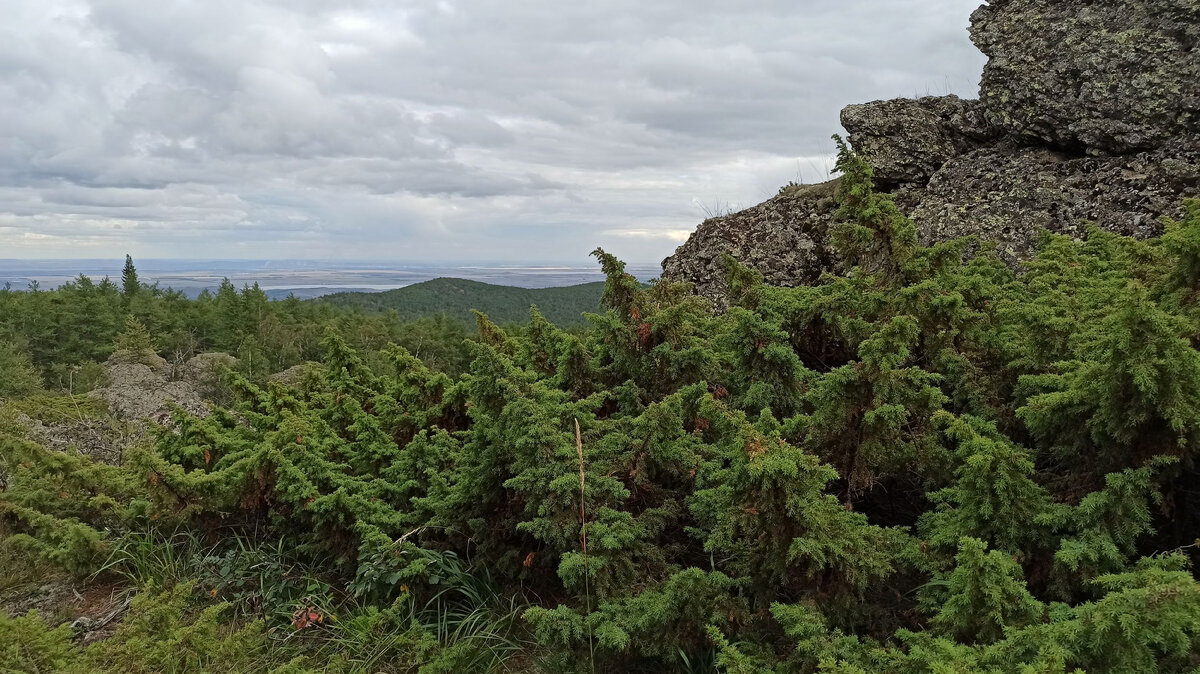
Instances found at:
x=926 y=462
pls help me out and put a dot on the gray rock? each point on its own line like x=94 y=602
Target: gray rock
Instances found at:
x=908 y=140
x=138 y=393
x=147 y=357
x=138 y=396
x=101 y=438
x=294 y=374
x=1009 y=195
x=205 y=372
x=1113 y=77
x=1090 y=114
x=786 y=238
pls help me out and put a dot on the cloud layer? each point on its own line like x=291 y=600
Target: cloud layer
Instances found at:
x=484 y=130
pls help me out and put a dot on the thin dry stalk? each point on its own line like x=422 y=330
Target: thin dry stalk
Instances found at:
x=587 y=570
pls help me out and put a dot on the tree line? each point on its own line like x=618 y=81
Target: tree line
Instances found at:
x=65 y=332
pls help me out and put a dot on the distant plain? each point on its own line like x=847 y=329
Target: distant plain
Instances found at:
x=308 y=278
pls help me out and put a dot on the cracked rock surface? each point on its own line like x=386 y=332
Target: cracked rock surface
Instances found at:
x=1089 y=114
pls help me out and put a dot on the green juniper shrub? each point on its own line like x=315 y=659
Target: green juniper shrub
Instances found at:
x=924 y=462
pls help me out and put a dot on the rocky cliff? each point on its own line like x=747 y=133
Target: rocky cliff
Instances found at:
x=1089 y=112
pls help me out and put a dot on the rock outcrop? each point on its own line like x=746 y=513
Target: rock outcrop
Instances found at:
x=1109 y=77
x=785 y=237
x=137 y=392
x=1008 y=195
x=1089 y=112
x=908 y=140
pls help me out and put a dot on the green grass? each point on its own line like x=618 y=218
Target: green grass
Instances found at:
x=466 y=625
x=457 y=297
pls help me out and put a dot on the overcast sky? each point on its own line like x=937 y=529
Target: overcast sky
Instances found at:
x=516 y=130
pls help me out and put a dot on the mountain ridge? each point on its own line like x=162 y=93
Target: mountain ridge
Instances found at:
x=455 y=297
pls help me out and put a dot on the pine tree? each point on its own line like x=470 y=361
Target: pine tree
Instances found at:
x=129 y=279
x=18 y=377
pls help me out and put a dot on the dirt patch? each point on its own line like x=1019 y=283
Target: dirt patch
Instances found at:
x=92 y=610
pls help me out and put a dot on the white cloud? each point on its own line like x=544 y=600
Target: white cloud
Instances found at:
x=472 y=129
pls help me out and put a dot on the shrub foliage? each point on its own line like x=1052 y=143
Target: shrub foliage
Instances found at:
x=930 y=463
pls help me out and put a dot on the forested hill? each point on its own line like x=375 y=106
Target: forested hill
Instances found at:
x=457 y=297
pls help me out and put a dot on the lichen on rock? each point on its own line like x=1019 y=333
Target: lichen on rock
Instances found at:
x=1009 y=195
x=1106 y=77
x=1089 y=115
x=908 y=140
x=786 y=237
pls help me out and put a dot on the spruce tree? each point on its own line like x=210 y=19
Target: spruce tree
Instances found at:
x=135 y=337
x=129 y=279
x=18 y=378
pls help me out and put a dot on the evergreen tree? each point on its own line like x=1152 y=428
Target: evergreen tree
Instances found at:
x=135 y=338
x=1133 y=389
x=994 y=497
x=984 y=595
x=671 y=488
x=129 y=279
x=18 y=378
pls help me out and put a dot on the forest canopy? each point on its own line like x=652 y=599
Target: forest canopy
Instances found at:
x=928 y=463
x=456 y=298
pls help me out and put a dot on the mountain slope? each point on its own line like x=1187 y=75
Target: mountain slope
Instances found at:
x=457 y=297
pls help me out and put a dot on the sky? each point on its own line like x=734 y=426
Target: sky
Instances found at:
x=515 y=130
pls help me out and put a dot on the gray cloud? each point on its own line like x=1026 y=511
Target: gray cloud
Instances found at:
x=485 y=129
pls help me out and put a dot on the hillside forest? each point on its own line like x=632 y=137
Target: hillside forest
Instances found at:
x=458 y=298
x=929 y=461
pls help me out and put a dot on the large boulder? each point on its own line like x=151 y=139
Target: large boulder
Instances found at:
x=1009 y=195
x=1113 y=76
x=295 y=375
x=1090 y=115
x=138 y=392
x=908 y=140
x=147 y=357
x=206 y=372
x=785 y=237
